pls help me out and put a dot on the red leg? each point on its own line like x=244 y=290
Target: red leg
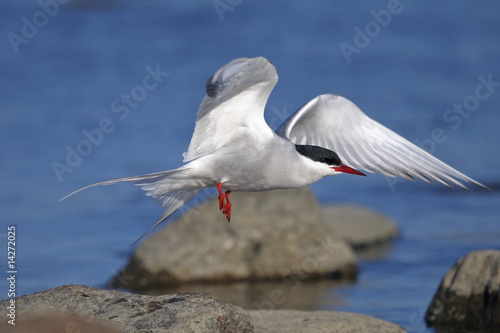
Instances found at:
x=227 y=207
x=221 y=196
x=224 y=206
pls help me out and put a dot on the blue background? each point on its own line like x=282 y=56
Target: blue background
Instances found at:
x=406 y=74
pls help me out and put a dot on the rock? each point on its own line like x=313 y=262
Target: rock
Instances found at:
x=74 y=308
x=469 y=294
x=51 y=323
x=291 y=321
x=358 y=226
x=131 y=313
x=274 y=235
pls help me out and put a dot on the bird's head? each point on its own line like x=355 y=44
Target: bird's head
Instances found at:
x=327 y=157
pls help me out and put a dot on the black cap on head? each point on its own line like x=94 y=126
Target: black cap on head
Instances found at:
x=319 y=154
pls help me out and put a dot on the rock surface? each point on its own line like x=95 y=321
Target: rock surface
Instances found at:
x=132 y=313
x=52 y=323
x=469 y=294
x=274 y=235
x=74 y=308
x=358 y=226
x=290 y=321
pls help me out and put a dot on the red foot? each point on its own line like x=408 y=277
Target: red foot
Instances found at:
x=224 y=206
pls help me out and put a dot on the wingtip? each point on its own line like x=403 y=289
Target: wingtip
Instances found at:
x=484 y=186
x=478 y=184
x=470 y=181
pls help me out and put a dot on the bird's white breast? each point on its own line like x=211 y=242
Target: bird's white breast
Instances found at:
x=272 y=164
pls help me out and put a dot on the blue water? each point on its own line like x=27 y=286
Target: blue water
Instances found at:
x=69 y=76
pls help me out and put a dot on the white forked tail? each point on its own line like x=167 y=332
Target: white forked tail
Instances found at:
x=172 y=188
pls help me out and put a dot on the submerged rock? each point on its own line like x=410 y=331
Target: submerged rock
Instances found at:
x=290 y=321
x=360 y=227
x=130 y=313
x=274 y=235
x=469 y=294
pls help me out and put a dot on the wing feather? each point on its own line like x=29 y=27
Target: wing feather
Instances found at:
x=234 y=105
x=334 y=122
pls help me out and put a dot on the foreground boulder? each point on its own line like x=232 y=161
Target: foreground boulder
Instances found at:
x=360 y=227
x=469 y=294
x=130 y=313
x=55 y=323
x=290 y=321
x=75 y=308
x=274 y=235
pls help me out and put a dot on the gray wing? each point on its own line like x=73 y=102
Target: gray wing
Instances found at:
x=334 y=122
x=234 y=105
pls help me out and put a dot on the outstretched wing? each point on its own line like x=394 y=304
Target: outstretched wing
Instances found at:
x=334 y=122
x=234 y=105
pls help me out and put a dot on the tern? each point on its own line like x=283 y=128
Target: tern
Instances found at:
x=233 y=148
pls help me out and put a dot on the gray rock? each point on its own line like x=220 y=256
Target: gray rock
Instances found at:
x=131 y=313
x=358 y=226
x=469 y=294
x=275 y=235
x=74 y=308
x=54 y=323
x=290 y=321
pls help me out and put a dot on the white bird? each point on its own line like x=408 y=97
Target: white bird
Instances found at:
x=233 y=148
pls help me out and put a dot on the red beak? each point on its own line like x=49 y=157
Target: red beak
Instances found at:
x=347 y=169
